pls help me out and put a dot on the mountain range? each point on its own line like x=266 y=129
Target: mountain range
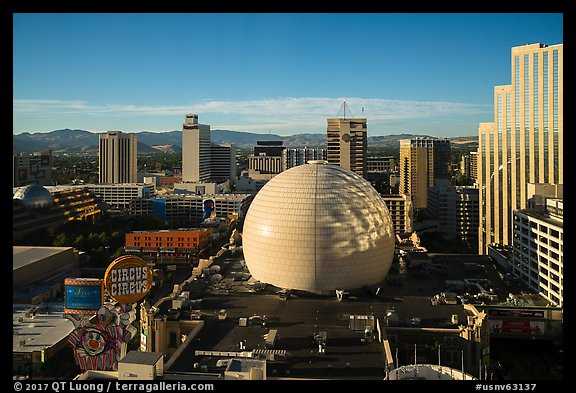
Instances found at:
x=82 y=141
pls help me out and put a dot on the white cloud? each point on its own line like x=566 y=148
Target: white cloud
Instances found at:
x=276 y=114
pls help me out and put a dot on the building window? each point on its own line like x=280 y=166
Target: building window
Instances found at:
x=554 y=266
x=173 y=340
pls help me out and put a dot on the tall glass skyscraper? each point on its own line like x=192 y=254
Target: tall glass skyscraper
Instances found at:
x=524 y=142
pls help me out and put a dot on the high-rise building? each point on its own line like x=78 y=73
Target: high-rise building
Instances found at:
x=456 y=209
x=401 y=212
x=33 y=168
x=195 y=150
x=117 y=158
x=422 y=161
x=465 y=165
x=524 y=142
x=474 y=166
x=268 y=160
x=222 y=162
x=347 y=140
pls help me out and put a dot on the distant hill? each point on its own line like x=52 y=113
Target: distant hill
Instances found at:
x=82 y=141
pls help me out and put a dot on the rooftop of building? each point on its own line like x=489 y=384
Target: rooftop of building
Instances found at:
x=172 y=230
x=348 y=354
x=428 y=372
x=145 y=358
x=26 y=255
x=504 y=250
x=235 y=197
x=65 y=187
x=542 y=215
x=35 y=328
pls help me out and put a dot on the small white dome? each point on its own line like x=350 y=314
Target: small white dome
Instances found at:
x=318 y=227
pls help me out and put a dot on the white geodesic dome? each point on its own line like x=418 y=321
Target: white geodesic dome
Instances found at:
x=318 y=227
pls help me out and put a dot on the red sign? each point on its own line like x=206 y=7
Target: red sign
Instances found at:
x=521 y=327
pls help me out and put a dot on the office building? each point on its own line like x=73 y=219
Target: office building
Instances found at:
x=187 y=210
x=457 y=211
x=524 y=143
x=179 y=242
x=195 y=150
x=394 y=182
x=422 y=161
x=376 y=164
x=347 y=140
x=401 y=212
x=222 y=162
x=465 y=165
x=117 y=154
x=118 y=196
x=32 y=168
x=268 y=160
x=474 y=166
x=469 y=165
x=301 y=156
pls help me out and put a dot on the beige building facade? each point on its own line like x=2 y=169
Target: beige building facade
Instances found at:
x=400 y=208
x=524 y=143
x=422 y=161
x=347 y=140
x=117 y=158
x=195 y=150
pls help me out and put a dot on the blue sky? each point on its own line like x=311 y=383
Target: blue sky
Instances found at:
x=281 y=73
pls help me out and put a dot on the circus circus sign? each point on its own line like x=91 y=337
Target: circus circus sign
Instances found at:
x=128 y=279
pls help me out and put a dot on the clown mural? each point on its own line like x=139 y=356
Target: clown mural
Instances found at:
x=104 y=329
x=99 y=346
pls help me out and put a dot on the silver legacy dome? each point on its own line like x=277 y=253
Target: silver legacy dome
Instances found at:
x=318 y=227
x=34 y=197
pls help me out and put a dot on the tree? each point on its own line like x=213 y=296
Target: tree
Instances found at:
x=99 y=257
x=80 y=243
x=61 y=240
x=93 y=241
x=431 y=352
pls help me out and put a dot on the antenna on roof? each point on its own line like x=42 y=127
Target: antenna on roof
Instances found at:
x=343 y=109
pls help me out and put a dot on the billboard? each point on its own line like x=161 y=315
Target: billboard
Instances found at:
x=128 y=279
x=515 y=313
x=523 y=327
x=83 y=295
x=208 y=206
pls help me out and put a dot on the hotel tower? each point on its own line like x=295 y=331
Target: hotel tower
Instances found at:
x=524 y=142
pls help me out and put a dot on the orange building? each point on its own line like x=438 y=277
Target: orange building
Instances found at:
x=177 y=243
x=168 y=181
